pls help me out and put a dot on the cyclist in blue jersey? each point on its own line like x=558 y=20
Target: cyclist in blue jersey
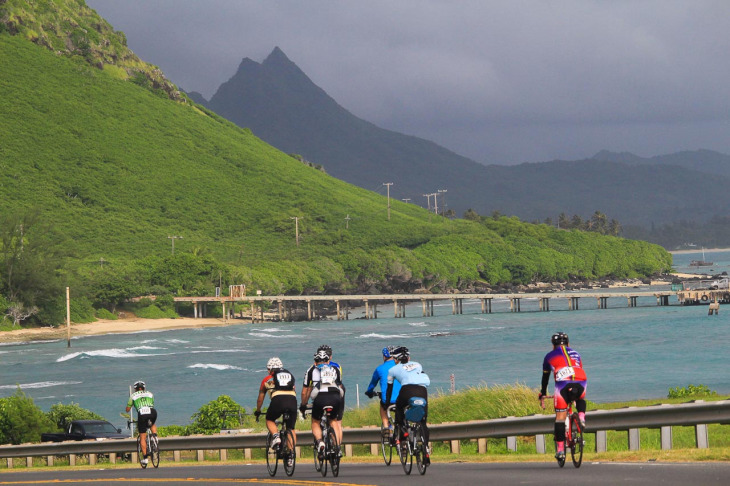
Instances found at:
x=380 y=375
x=144 y=402
x=414 y=383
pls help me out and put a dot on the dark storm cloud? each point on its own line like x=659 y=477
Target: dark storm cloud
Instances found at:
x=500 y=82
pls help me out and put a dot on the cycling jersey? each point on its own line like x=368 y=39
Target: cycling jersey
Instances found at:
x=381 y=375
x=410 y=373
x=565 y=363
x=143 y=401
x=326 y=378
x=308 y=374
x=280 y=383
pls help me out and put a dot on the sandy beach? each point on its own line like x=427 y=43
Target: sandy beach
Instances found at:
x=104 y=326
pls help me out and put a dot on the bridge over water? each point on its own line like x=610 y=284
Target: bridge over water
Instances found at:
x=283 y=306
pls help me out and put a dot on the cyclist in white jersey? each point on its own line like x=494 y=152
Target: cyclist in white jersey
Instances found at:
x=144 y=402
x=324 y=386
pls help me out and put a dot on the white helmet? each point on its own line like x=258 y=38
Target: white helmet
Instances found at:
x=274 y=364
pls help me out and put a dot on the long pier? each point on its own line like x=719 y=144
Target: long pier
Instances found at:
x=283 y=304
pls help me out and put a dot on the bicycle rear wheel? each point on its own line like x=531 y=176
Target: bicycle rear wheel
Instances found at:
x=272 y=456
x=154 y=448
x=420 y=450
x=406 y=452
x=576 y=439
x=322 y=458
x=386 y=447
x=289 y=455
x=140 y=456
x=333 y=452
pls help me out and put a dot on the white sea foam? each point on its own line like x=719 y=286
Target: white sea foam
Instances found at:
x=176 y=341
x=273 y=329
x=383 y=336
x=267 y=335
x=418 y=324
x=149 y=348
x=222 y=351
x=40 y=384
x=105 y=353
x=219 y=367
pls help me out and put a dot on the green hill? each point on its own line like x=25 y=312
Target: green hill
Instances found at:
x=97 y=173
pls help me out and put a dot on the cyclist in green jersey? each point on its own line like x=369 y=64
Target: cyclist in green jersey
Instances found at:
x=144 y=402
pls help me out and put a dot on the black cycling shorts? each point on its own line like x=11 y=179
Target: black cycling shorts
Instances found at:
x=280 y=404
x=332 y=399
x=142 y=420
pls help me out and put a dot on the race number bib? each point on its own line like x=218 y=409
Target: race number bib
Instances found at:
x=328 y=375
x=144 y=411
x=284 y=379
x=564 y=373
x=409 y=366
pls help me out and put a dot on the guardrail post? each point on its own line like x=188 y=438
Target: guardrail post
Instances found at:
x=200 y=455
x=112 y=458
x=540 y=443
x=223 y=455
x=374 y=449
x=92 y=460
x=601 y=441
x=666 y=437
x=348 y=450
x=10 y=462
x=482 y=446
x=134 y=458
x=72 y=459
x=701 y=436
x=455 y=447
x=247 y=453
x=29 y=461
x=49 y=460
x=634 y=440
x=512 y=444
x=298 y=452
x=176 y=456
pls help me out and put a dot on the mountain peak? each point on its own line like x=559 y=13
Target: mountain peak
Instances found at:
x=277 y=56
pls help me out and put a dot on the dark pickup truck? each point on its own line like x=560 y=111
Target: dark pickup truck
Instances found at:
x=86 y=430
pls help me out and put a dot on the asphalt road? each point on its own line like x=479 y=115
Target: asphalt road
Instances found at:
x=696 y=474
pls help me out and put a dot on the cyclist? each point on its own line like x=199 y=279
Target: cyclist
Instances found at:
x=324 y=386
x=279 y=383
x=570 y=385
x=380 y=375
x=144 y=402
x=414 y=383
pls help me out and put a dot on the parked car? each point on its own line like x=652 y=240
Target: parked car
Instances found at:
x=86 y=430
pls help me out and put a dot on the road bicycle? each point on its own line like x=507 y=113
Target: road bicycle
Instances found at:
x=414 y=444
x=332 y=453
x=284 y=450
x=387 y=441
x=573 y=435
x=152 y=443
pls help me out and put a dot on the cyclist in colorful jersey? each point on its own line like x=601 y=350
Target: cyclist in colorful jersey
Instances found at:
x=380 y=375
x=570 y=385
x=324 y=386
x=279 y=383
x=144 y=402
x=414 y=384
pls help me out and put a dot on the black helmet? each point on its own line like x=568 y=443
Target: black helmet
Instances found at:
x=327 y=349
x=559 y=339
x=400 y=352
x=139 y=384
x=321 y=356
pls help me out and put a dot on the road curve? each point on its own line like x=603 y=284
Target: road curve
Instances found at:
x=696 y=474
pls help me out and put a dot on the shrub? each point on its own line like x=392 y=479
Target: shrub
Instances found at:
x=62 y=415
x=691 y=391
x=154 y=312
x=221 y=413
x=21 y=420
x=105 y=314
x=173 y=430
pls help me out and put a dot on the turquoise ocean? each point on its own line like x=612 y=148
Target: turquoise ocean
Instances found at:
x=629 y=353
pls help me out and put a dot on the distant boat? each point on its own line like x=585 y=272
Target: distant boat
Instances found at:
x=700 y=263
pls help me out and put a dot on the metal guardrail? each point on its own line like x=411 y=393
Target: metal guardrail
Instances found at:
x=697 y=414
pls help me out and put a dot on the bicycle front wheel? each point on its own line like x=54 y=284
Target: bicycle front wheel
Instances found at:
x=333 y=452
x=140 y=456
x=576 y=438
x=406 y=453
x=154 y=449
x=272 y=456
x=289 y=455
x=420 y=450
x=386 y=447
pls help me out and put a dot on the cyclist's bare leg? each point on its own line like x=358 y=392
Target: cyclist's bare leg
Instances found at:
x=384 y=417
x=153 y=429
x=294 y=437
x=143 y=442
x=337 y=425
x=271 y=426
x=316 y=430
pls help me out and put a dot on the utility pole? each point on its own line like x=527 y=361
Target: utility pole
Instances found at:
x=388 y=184
x=435 y=203
x=173 y=238
x=428 y=199
x=296 y=226
x=443 y=199
x=347 y=221
x=406 y=199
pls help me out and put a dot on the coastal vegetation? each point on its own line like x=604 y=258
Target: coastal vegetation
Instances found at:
x=117 y=192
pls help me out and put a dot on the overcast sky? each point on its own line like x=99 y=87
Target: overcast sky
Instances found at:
x=500 y=82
